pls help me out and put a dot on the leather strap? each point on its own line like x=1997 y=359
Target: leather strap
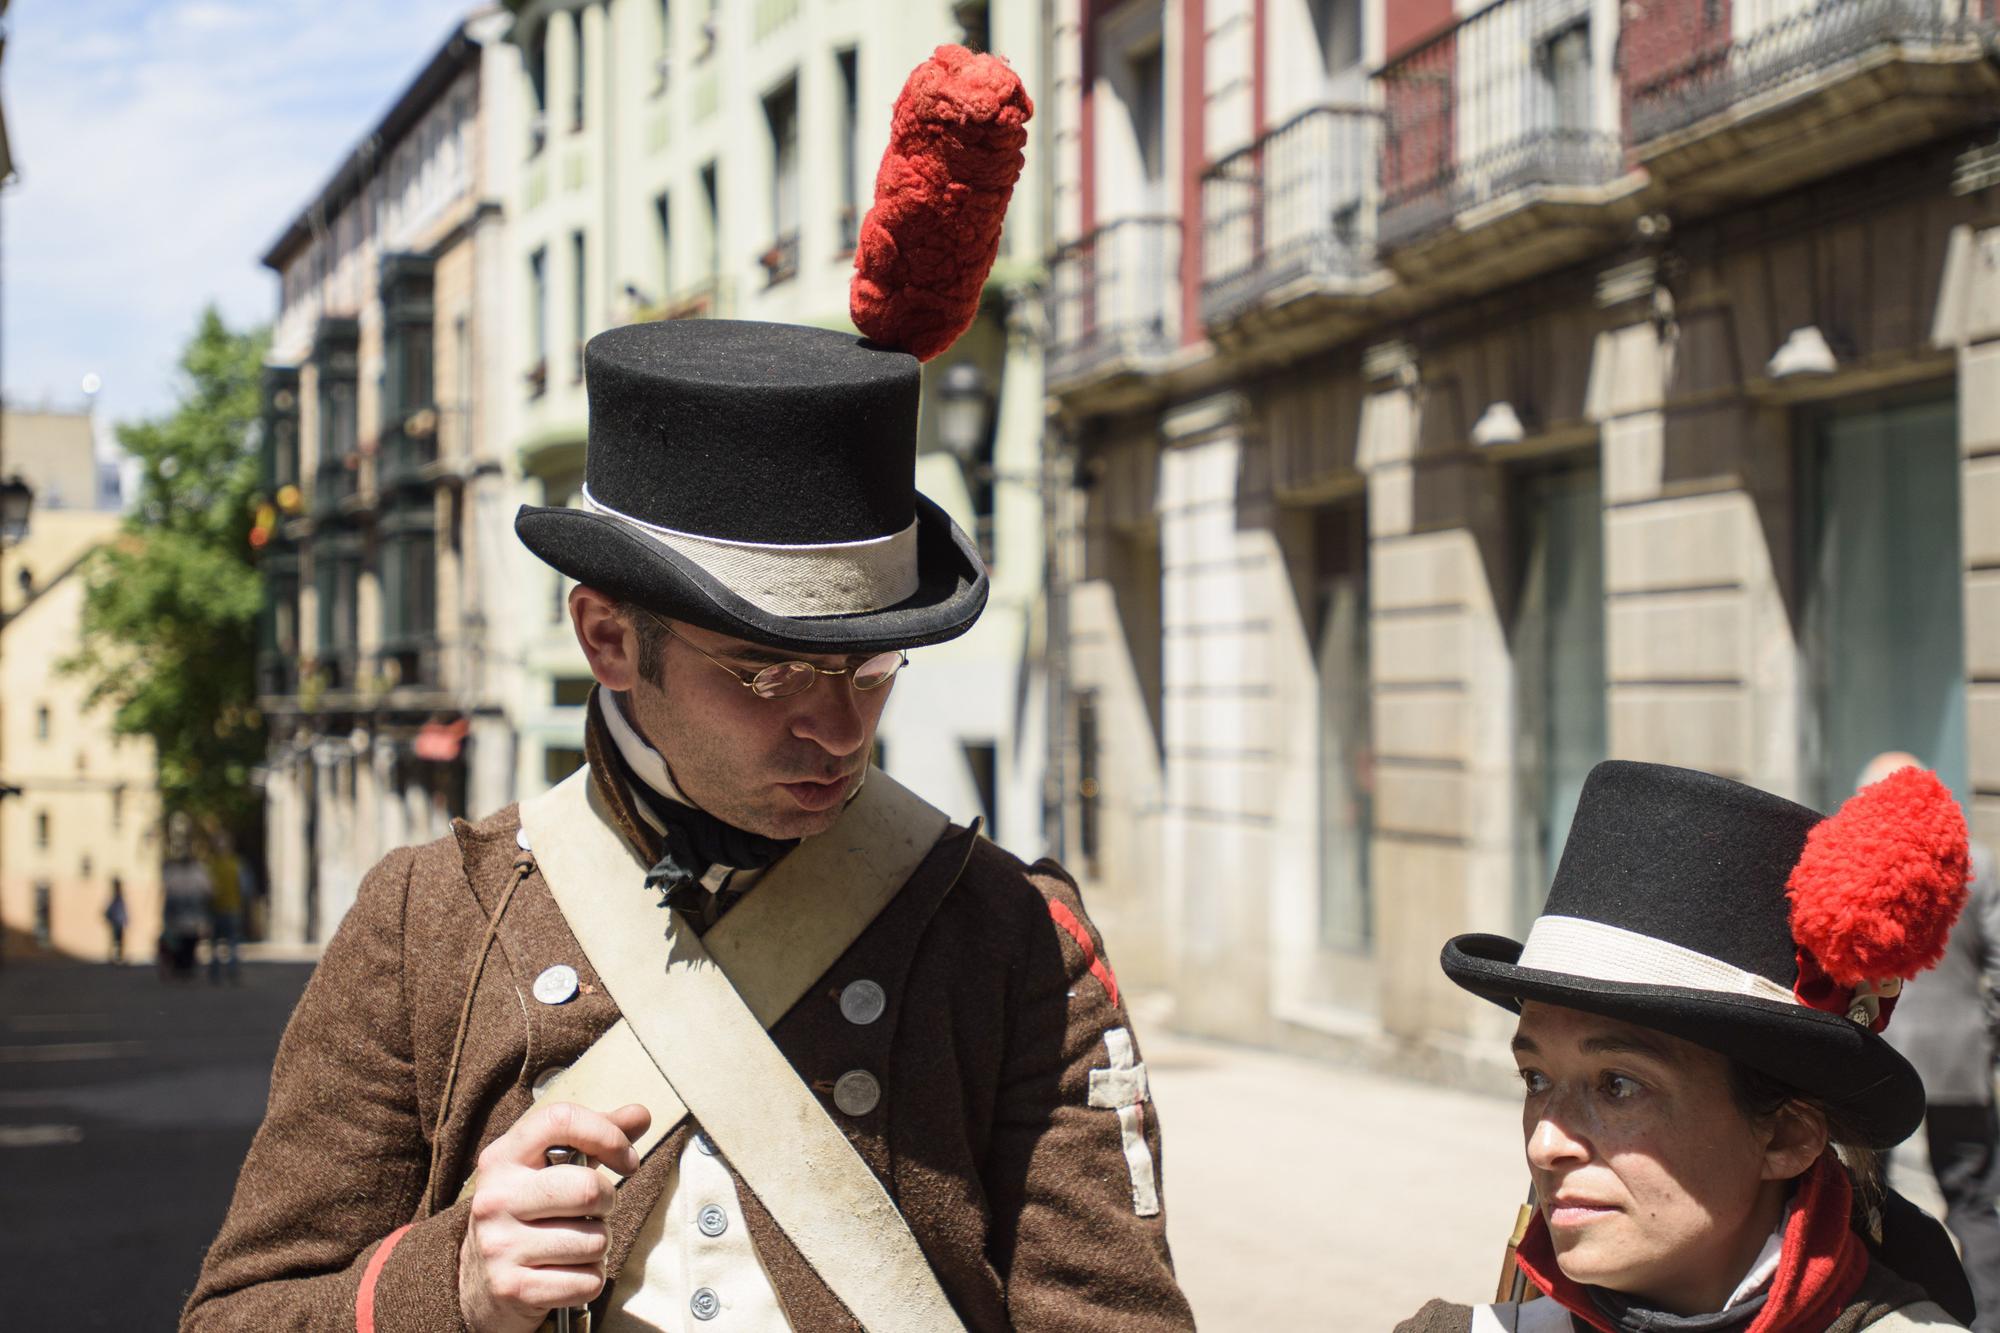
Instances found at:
x=693 y=1039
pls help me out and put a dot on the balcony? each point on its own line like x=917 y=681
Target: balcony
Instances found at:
x=1291 y=218
x=1115 y=300
x=1810 y=87
x=1500 y=154
x=704 y=300
x=409 y=451
x=781 y=260
x=277 y=675
x=337 y=481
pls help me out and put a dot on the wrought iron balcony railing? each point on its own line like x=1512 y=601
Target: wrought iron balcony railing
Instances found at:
x=1802 y=38
x=1115 y=295
x=1299 y=203
x=407 y=450
x=1506 y=100
x=337 y=479
x=704 y=300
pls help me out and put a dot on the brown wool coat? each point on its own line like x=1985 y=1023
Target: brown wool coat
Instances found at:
x=1014 y=1186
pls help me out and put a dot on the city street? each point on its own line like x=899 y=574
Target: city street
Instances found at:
x=1300 y=1196
x=1293 y=1189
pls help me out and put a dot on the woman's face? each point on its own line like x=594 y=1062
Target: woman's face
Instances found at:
x=1651 y=1180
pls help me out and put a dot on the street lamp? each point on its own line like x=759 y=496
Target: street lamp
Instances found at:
x=965 y=409
x=16 y=498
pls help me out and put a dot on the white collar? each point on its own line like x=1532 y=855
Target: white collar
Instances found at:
x=641 y=757
x=1766 y=1267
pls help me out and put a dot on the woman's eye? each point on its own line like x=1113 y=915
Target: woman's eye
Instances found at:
x=1534 y=1081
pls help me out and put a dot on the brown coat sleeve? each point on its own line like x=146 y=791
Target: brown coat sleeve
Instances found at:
x=1068 y=1240
x=338 y=1166
x=1438 y=1317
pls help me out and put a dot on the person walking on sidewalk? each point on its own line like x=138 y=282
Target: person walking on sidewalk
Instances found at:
x=116 y=917
x=1705 y=1090
x=1945 y=1026
x=728 y=1026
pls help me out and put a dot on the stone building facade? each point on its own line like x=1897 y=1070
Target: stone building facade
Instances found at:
x=703 y=160
x=1459 y=397
x=79 y=804
x=386 y=546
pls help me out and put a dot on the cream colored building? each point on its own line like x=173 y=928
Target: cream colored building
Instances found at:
x=83 y=811
x=693 y=160
x=1465 y=395
x=388 y=554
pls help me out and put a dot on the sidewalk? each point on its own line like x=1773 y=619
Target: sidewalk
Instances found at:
x=1302 y=1196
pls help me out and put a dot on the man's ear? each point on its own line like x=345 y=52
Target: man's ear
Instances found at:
x=609 y=644
x=1798 y=1135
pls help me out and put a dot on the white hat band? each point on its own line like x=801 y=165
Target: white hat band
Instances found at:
x=1611 y=953
x=835 y=578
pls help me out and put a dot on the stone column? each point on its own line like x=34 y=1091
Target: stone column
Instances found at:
x=1443 y=706
x=1701 y=658
x=1969 y=318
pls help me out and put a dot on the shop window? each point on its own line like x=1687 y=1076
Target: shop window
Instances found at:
x=1883 y=625
x=1557 y=642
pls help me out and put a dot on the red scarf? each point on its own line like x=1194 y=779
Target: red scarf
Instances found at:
x=1820 y=1264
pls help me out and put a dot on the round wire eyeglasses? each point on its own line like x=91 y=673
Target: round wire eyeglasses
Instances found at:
x=781 y=680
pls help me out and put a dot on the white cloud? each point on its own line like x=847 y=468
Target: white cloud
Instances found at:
x=162 y=148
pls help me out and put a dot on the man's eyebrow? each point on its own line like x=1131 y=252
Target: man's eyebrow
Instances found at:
x=1525 y=1044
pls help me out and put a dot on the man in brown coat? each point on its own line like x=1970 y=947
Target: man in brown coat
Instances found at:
x=752 y=559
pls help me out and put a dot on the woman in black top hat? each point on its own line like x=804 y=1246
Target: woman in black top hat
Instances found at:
x=1705 y=1090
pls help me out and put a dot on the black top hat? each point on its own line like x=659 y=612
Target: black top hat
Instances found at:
x=1670 y=909
x=760 y=480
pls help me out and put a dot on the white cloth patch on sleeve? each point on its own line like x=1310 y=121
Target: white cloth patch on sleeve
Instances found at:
x=1122 y=1088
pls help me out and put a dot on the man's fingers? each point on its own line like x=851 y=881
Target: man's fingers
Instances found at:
x=633 y=1118
x=561 y=1191
x=565 y=1124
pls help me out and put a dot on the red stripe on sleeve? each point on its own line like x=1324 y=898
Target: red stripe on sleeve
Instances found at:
x=364 y=1300
x=1098 y=967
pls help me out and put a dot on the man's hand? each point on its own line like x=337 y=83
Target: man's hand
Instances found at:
x=536 y=1240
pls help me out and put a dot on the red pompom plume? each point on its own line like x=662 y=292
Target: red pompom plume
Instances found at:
x=941 y=194
x=1876 y=890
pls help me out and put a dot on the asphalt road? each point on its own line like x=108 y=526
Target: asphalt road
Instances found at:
x=126 y=1106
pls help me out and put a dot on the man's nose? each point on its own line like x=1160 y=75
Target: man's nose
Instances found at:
x=831 y=716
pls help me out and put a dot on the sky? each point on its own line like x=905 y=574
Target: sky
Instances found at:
x=162 y=145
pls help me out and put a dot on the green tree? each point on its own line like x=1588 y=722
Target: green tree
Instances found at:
x=170 y=609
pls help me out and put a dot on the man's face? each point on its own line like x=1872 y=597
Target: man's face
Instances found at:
x=782 y=768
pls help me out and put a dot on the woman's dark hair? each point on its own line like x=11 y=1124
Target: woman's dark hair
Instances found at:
x=1761 y=1097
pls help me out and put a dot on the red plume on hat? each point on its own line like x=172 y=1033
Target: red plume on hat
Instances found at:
x=940 y=196
x=1875 y=892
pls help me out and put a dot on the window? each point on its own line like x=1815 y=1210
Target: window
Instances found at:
x=579 y=316
x=579 y=72
x=1557 y=641
x=536 y=58
x=663 y=221
x=1149 y=115
x=42 y=723
x=1883 y=625
x=982 y=758
x=559 y=761
x=1087 y=793
x=975 y=24
x=42 y=829
x=44 y=912
x=1563 y=66
x=712 y=213
x=781 y=114
x=570 y=691
x=538 y=319
x=1346 y=743
x=850 y=149
x=1337 y=30
x=663 y=61
x=118 y=807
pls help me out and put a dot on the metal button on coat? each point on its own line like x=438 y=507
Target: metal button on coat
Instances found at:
x=706 y=1304
x=857 y=1092
x=705 y=1143
x=712 y=1221
x=862 y=1002
x=546 y=1077
x=556 y=985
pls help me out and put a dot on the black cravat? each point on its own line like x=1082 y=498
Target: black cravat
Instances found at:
x=692 y=842
x=1629 y=1316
